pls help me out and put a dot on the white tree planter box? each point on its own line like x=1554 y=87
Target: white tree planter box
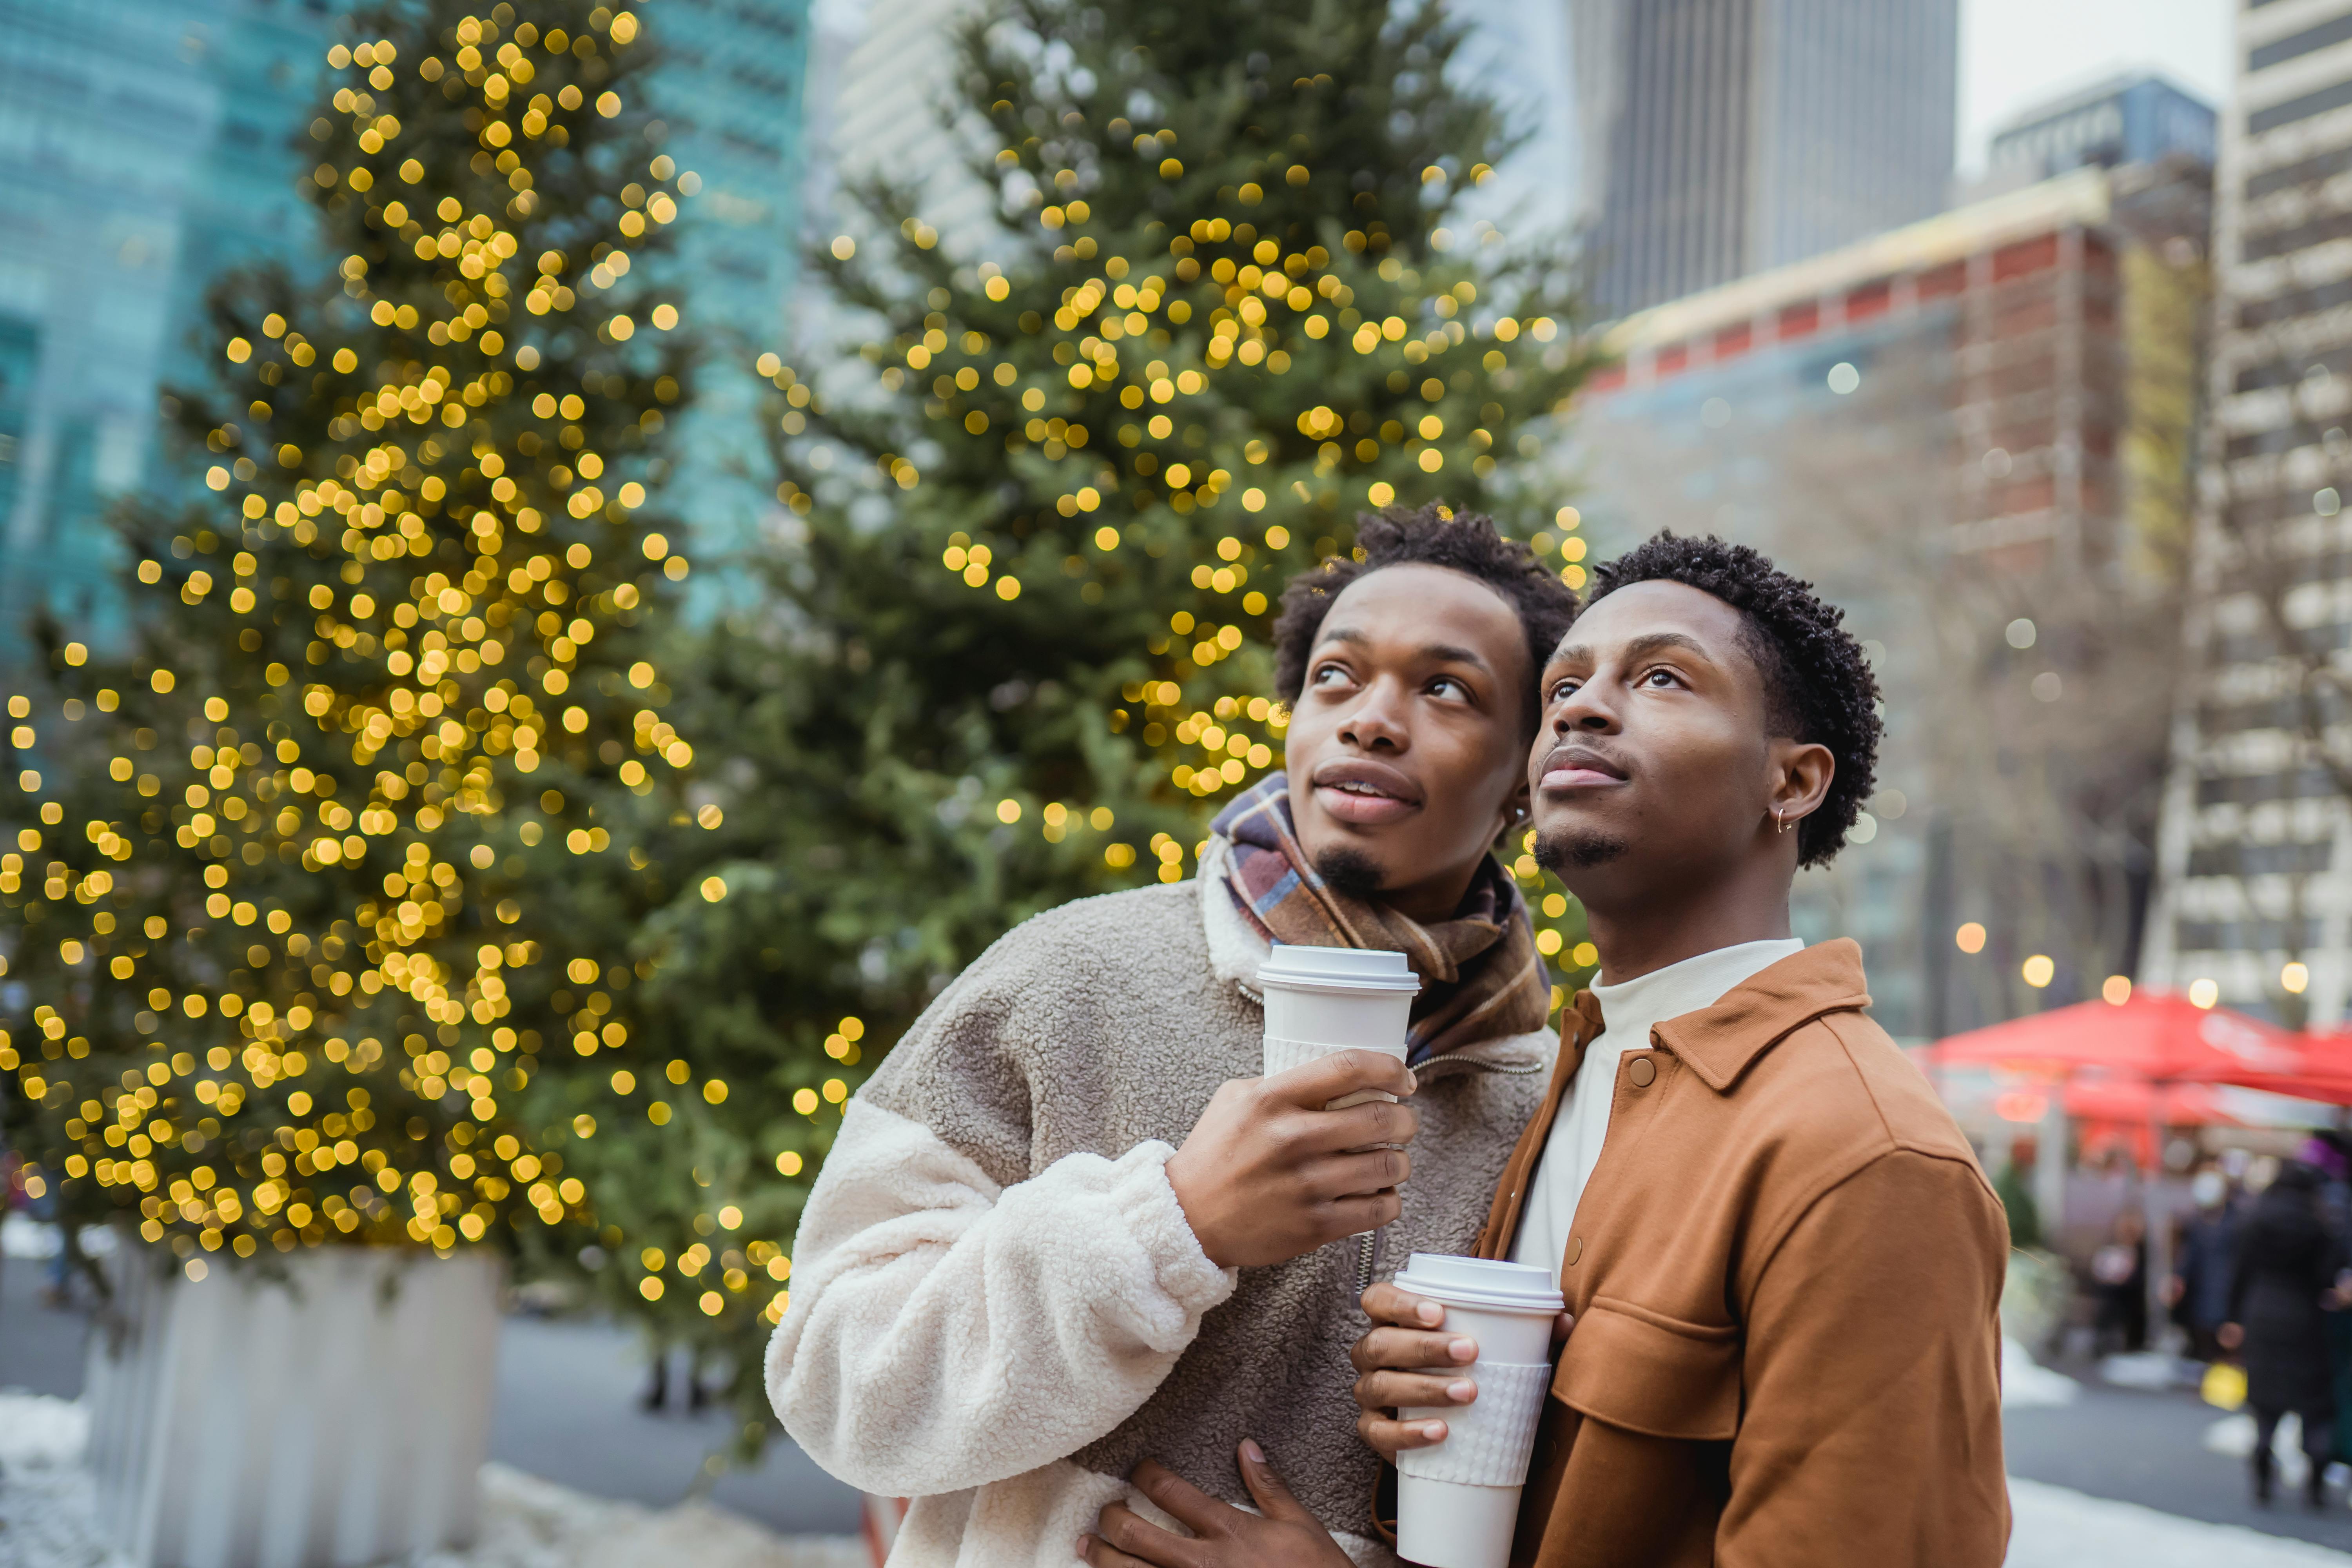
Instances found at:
x=336 y=1417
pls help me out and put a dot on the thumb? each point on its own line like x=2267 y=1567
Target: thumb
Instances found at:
x=1268 y=1491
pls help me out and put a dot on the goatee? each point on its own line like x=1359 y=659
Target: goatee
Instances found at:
x=1350 y=873
x=1557 y=852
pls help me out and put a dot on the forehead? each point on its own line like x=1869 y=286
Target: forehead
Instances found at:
x=1658 y=609
x=1419 y=605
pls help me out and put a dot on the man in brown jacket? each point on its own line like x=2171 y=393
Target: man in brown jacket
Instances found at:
x=1780 y=1258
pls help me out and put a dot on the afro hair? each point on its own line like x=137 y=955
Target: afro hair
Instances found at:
x=1435 y=536
x=1816 y=681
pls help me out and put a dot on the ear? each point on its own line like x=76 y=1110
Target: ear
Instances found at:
x=1802 y=774
x=1514 y=810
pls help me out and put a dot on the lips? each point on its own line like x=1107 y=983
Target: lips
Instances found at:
x=1580 y=767
x=1368 y=794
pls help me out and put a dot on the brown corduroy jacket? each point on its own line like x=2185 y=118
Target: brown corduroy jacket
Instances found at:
x=1786 y=1273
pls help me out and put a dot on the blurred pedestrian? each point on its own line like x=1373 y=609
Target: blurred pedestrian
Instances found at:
x=2119 y=1271
x=2288 y=1261
x=2209 y=1256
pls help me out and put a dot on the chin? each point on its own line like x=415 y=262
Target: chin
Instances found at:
x=1350 y=872
x=1560 y=850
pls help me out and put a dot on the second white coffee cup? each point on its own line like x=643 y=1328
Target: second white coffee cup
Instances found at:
x=1458 y=1501
x=1320 y=1000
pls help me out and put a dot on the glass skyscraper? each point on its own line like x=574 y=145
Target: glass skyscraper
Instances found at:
x=148 y=145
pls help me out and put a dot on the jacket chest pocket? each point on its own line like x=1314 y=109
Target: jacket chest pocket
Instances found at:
x=1642 y=1372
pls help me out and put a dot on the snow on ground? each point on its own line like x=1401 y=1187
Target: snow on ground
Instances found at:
x=46 y=1521
x=2056 y=1528
x=2026 y=1384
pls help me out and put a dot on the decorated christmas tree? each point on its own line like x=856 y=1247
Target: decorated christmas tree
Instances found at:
x=316 y=892
x=1225 y=304
x=1029 y=538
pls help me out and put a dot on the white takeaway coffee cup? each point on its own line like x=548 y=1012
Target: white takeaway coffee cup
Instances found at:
x=1320 y=1000
x=1458 y=1500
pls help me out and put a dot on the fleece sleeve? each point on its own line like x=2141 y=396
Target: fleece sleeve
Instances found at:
x=945 y=1332
x=1872 y=1433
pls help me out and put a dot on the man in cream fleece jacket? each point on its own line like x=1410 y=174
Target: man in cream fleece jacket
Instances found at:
x=1066 y=1226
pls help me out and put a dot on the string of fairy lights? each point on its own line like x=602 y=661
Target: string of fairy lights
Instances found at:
x=1121 y=455
x=331 y=1059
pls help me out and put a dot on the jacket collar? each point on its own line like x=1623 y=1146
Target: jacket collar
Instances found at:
x=1720 y=1041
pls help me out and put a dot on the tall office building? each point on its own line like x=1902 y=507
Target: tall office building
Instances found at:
x=881 y=107
x=2255 y=906
x=146 y=146
x=1968 y=432
x=143 y=146
x=2134 y=118
x=1724 y=137
x=732 y=90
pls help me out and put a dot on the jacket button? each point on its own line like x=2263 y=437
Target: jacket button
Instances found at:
x=1575 y=1250
x=1642 y=1071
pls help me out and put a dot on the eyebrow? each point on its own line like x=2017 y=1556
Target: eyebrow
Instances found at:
x=1650 y=642
x=1441 y=652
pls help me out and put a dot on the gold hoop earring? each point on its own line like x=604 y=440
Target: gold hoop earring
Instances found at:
x=1777 y=826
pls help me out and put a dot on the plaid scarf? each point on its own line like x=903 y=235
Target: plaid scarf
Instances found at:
x=1480 y=977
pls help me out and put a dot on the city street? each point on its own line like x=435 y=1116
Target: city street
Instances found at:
x=568 y=1413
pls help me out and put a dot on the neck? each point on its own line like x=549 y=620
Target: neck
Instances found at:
x=1434 y=899
x=1640 y=930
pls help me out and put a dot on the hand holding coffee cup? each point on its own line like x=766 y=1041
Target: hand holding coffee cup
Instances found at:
x=1268 y=1174
x=1413 y=1358
x=1467 y=1400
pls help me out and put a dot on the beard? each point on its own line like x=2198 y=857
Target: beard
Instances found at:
x=1579 y=850
x=1350 y=873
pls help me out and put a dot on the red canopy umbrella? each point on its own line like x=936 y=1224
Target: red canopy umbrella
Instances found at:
x=2159 y=1037
x=2099 y=1098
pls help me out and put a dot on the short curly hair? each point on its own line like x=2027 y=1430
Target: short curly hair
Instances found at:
x=1435 y=536
x=1817 y=682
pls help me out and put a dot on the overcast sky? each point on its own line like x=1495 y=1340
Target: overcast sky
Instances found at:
x=2016 y=52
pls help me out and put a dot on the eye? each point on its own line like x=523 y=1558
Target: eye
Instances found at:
x=1660 y=677
x=1325 y=674
x=1447 y=685
x=1562 y=690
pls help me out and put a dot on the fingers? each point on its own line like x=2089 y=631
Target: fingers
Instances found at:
x=1389 y=1436
x=1410 y=1349
x=1130 y=1532
x=1269 y=1490
x=1316 y=1083
x=1362 y=1126
x=1561 y=1326
x=1387 y=1304
x=1353 y=1216
x=1397 y=1390
x=1188 y=1504
x=1358 y=1175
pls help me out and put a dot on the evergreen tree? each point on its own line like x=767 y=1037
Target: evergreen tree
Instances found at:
x=319 y=906
x=1033 y=530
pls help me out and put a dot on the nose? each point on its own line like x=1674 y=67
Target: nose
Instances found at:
x=1584 y=711
x=1376 y=722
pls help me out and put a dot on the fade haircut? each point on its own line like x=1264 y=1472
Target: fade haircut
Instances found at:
x=1817 y=686
x=1435 y=536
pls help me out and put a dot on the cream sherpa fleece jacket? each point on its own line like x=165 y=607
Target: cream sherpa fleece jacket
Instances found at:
x=997 y=1306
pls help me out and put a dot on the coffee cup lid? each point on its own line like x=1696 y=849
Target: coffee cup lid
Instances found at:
x=1481 y=1283
x=1337 y=969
